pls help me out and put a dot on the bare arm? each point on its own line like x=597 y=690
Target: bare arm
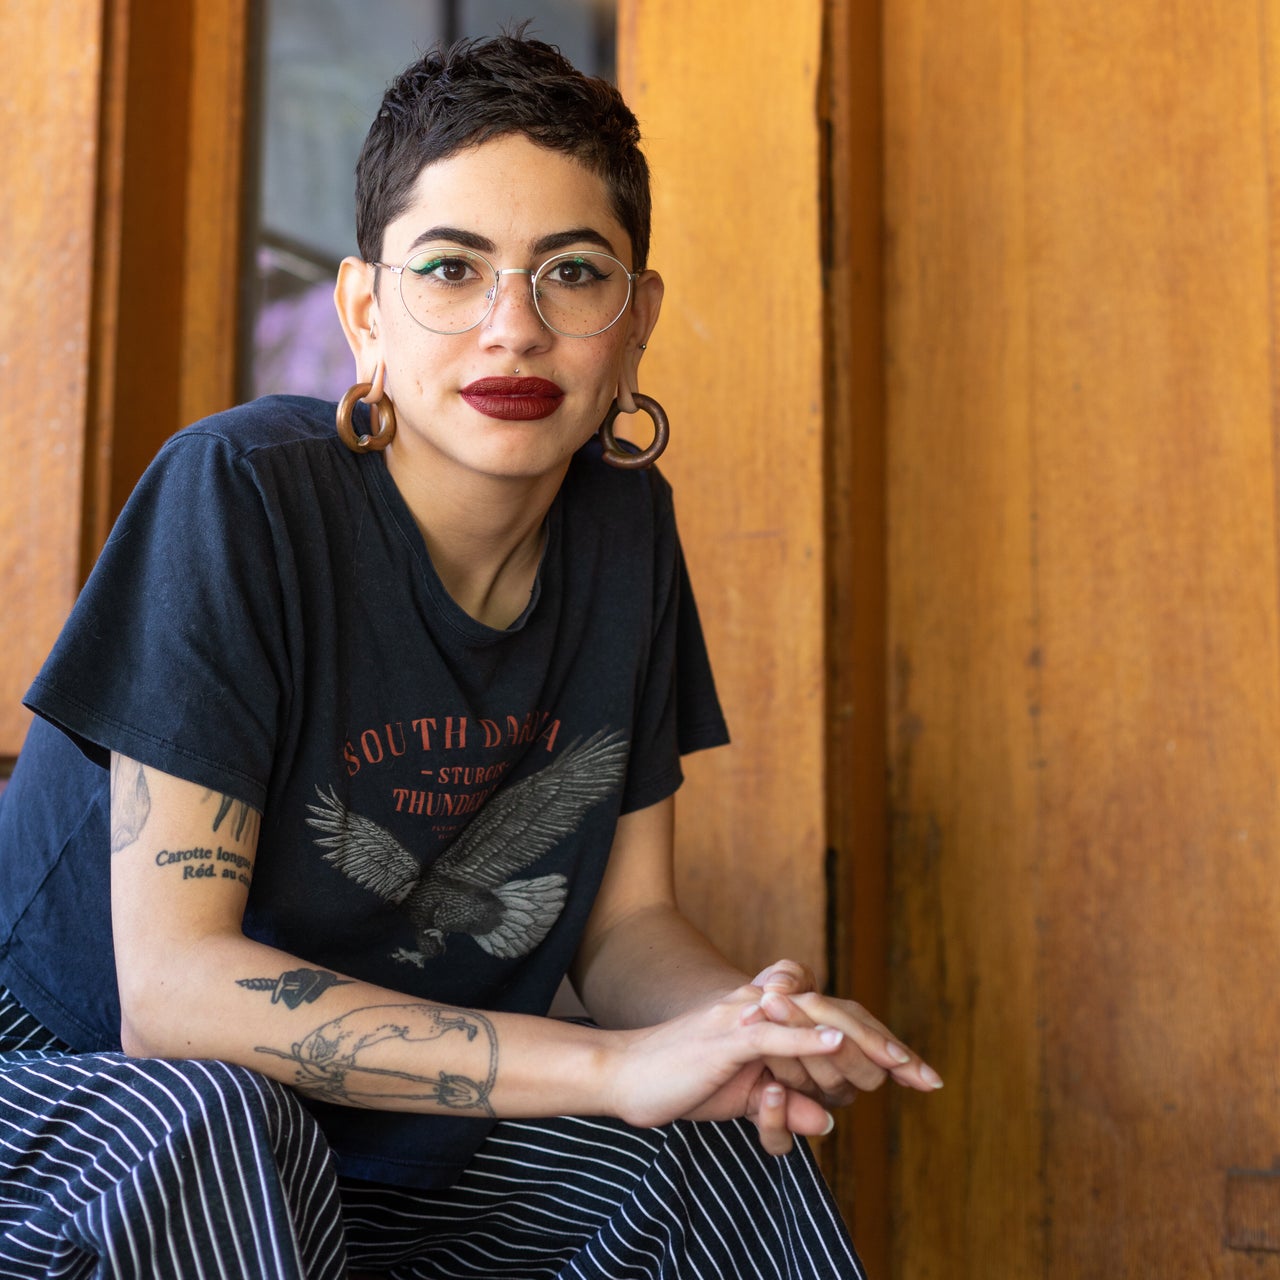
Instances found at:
x=192 y=985
x=640 y=960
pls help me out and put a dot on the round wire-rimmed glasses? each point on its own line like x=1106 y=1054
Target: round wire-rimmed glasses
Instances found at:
x=451 y=290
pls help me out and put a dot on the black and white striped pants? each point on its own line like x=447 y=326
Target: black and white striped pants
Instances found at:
x=154 y=1170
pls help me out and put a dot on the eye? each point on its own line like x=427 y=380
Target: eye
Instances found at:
x=574 y=270
x=449 y=267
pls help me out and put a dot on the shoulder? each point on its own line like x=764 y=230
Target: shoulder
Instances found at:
x=271 y=465
x=268 y=448
x=272 y=422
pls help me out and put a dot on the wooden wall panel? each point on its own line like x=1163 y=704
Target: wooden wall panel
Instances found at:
x=737 y=361
x=1083 y=622
x=214 y=213
x=121 y=215
x=52 y=60
x=961 y=642
x=1153 y=412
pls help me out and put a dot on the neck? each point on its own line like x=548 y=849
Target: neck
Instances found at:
x=484 y=534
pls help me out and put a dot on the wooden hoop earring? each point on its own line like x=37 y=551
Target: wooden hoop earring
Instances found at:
x=386 y=432
x=616 y=456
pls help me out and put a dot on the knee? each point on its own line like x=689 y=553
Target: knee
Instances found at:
x=228 y=1087
x=209 y=1094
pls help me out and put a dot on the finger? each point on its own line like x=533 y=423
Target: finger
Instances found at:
x=764 y=1040
x=757 y=1014
x=795 y=1074
x=919 y=1075
x=787 y=1071
x=791 y=1072
x=803 y=1115
x=869 y=1035
x=771 y=1120
x=786 y=976
x=829 y=1076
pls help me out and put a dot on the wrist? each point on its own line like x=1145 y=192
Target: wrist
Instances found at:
x=609 y=1057
x=570 y=1069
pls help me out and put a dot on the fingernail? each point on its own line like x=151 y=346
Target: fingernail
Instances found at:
x=773 y=1096
x=930 y=1076
x=831 y=1124
x=829 y=1035
x=898 y=1053
x=771 y=996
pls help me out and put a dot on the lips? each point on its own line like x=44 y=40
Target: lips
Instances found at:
x=515 y=399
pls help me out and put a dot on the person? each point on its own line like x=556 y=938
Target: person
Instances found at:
x=357 y=742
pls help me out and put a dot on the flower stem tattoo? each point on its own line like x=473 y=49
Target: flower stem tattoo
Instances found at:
x=347 y=1060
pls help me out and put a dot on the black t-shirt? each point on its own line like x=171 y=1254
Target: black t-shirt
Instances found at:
x=438 y=797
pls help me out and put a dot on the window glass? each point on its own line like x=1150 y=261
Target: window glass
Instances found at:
x=323 y=65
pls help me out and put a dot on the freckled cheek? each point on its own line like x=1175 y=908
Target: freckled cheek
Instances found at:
x=413 y=373
x=403 y=384
x=606 y=365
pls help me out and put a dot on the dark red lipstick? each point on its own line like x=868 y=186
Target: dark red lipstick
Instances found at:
x=516 y=399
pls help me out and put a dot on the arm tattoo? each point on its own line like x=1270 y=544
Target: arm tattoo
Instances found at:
x=246 y=819
x=295 y=987
x=130 y=802
x=344 y=1060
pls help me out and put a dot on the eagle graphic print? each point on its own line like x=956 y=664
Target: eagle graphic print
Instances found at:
x=472 y=887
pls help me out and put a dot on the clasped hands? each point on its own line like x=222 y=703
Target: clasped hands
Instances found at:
x=868 y=1054
x=774 y=1051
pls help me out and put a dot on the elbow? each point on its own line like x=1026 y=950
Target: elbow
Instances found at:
x=143 y=1020
x=137 y=1036
x=132 y=1044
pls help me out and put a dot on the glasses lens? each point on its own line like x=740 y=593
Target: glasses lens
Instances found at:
x=447 y=290
x=581 y=293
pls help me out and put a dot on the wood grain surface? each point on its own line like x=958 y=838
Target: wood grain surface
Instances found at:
x=52 y=59
x=1081 y=212
x=737 y=361
x=121 y=219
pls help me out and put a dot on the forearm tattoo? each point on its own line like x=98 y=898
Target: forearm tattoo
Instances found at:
x=348 y=1060
x=296 y=986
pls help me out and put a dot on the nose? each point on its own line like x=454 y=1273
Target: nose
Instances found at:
x=513 y=319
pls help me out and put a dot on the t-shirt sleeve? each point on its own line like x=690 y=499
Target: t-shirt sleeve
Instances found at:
x=679 y=710
x=176 y=653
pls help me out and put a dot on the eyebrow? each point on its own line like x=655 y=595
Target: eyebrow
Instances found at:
x=544 y=244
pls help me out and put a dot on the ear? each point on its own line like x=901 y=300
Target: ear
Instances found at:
x=646 y=302
x=357 y=305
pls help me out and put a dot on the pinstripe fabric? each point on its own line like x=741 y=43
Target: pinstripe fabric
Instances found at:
x=150 y=1170
x=590 y=1199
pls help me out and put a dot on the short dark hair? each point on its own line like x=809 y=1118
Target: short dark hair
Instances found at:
x=476 y=90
